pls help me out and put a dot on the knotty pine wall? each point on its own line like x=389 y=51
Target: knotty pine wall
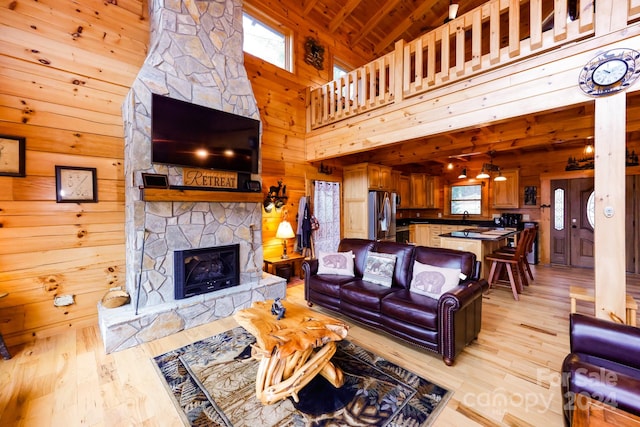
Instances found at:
x=65 y=69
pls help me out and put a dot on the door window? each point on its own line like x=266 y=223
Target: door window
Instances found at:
x=591 y=209
x=558 y=215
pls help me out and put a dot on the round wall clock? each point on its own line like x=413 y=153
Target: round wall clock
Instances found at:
x=610 y=72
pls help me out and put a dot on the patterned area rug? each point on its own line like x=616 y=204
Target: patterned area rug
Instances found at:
x=213 y=383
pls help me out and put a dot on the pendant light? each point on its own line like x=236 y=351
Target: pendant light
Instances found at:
x=463 y=174
x=500 y=177
x=483 y=174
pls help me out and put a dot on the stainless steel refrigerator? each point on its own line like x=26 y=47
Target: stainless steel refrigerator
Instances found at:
x=382 y=215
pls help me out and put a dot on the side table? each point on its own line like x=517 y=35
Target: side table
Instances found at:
x=294 y=260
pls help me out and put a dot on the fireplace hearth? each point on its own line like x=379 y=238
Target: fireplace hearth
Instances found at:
x=204 y=270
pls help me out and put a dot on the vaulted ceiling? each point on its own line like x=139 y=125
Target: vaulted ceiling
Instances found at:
x=373 y=26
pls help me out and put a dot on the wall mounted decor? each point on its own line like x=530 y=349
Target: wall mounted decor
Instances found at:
x=530 y=195
x=12 y=152
x=154 y=180
x=314 y=53
x=76 y=184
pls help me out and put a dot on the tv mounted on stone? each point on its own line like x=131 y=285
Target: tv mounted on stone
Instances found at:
x=190 y=135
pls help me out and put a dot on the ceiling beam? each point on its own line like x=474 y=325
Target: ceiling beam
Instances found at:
x=415 y=16
x=308 y=7
x=375 y=20
x=342 y=15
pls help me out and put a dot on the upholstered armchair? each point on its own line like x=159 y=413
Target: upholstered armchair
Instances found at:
x=604 y=364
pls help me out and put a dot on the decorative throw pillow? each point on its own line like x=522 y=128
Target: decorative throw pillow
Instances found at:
x=379 y=268
x=433 y=281
x=340 y=263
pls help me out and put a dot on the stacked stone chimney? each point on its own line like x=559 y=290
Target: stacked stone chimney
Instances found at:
x=195 y=56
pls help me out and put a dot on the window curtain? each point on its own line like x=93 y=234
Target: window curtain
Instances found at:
x=326 y=209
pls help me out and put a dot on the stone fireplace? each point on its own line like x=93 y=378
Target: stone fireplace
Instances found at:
x=196 y=56
x=200 y=271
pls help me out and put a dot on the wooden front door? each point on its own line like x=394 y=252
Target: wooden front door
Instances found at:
x=572 y=237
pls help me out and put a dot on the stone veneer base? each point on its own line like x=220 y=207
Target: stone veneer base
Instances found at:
x=121 y=328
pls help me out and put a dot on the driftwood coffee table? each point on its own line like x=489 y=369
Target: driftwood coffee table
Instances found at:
x=292 y=350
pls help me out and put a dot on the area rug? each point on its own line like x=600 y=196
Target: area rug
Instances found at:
x=213 y=384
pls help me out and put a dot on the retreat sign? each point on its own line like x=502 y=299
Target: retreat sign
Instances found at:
x=210 y=178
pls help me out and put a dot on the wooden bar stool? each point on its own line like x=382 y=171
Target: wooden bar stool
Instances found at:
x=530 y=235
x=514 y=265
x=577 y=293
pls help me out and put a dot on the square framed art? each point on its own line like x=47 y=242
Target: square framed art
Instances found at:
x=12 y=155
x=76 y=185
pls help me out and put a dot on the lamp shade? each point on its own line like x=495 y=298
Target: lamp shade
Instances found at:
x=463 y=174
x=285 y=231
x=453 y=10
x=483 y=174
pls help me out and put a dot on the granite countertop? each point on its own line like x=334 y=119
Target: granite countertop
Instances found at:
x=482 y=233
x=448 y=221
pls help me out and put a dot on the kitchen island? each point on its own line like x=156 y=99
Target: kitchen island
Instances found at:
x=482 y=241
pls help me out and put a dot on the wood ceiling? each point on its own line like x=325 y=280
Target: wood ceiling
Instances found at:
x=373 y=27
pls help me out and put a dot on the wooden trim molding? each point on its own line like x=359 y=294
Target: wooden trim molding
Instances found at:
x=185 y=195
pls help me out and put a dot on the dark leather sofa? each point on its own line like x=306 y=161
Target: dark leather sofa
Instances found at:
x=443 y=326
x=604 y=364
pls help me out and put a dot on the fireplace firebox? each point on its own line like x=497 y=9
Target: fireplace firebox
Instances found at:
x=204 y=270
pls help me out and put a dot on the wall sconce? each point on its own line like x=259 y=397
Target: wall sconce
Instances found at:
x=285 y=232
x=463 y=174
x=274 y=199
x=453 y=11
x=588 y=150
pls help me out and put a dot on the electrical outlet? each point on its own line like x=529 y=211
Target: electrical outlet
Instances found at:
x=63 y=300
x=418 y=215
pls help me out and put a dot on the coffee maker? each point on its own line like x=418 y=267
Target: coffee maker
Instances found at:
x=511 y=220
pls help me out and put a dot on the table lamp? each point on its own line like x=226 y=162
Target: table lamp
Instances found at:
x=285 y=232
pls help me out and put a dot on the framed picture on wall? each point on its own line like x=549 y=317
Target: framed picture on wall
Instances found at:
x=530 y=195
x=76 y=185
x=12 y=151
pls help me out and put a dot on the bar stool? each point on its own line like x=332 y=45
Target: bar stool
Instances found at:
x=514 y=265
x=531 y=236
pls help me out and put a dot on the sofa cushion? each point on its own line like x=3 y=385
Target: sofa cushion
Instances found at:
x=364 y=294
x=340 y=263
x=411 y=307
x=433 y=281
x=404 y=261
x=359 y=247
x=328 y=284
x=448 y=258
x=379 y=268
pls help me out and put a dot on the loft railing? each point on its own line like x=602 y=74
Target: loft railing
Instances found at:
x=493 y=35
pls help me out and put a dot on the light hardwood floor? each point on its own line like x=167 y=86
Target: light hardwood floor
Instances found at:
x=508 y=377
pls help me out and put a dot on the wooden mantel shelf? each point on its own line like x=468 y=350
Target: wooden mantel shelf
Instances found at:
x=185 y=195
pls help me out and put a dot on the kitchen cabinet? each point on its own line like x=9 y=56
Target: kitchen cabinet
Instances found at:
x=506 y=193
x=404 y=192
x=355 y=194
x=425 y=191
x=379 y=177
x=419 y=234
x=395 y=181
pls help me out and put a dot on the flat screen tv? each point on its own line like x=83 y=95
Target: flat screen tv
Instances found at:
x=190 y=135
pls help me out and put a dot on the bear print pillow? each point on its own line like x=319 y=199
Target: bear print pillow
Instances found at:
x=433 y=281
x=340 y=263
